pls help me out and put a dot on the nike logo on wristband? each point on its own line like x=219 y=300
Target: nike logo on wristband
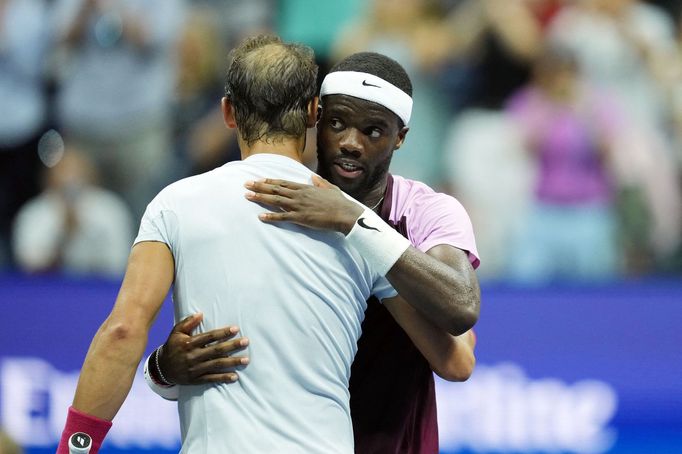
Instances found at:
x=367 y=84
x=361 y=223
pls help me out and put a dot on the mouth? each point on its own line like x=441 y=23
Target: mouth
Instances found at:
x=347 y=168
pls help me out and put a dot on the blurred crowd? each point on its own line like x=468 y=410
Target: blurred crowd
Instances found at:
x=557 y=123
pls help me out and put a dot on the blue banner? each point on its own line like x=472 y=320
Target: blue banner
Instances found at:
x=562 y=369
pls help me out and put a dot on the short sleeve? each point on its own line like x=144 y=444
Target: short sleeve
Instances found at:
x=158 y=223
x=442 y=220
x=64 y=14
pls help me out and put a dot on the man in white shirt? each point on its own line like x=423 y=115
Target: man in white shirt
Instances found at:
x=74 y=226
x=299 y=293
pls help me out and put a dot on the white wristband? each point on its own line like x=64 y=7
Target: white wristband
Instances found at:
x=171 y=392
x=377 y=242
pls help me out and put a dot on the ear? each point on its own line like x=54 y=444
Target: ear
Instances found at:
x=401 y=137
x=228 y=113
x=312 y=112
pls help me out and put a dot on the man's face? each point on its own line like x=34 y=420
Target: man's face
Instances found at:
x=355 y=142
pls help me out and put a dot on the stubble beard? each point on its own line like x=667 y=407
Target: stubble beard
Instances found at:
x=361 y=190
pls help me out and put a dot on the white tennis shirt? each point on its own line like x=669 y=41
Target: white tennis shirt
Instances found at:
x=297 y=294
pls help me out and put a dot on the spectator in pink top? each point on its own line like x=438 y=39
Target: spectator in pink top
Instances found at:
x=569 y=129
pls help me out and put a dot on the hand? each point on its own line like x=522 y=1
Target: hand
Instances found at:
x=321 y=206
x=204 y=358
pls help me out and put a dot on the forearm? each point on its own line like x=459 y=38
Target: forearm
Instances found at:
x=441 y=284
x=516 y=27
x=75 y=33
x=135 y=32
x=450 y=357
x=468 y=23
x=447 y=297
x=109 y=368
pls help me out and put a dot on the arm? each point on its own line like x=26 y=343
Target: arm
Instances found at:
x=155 y=27
x=109 y=367
x=203 y=358
x=442 y=285
x=451 y=357
x=449 y=297
x=116 y=350
x=515 y=25
x=207 y=357
x=74 y=33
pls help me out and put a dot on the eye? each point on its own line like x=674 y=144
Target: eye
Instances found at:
x=336 y=124
x=374 y=132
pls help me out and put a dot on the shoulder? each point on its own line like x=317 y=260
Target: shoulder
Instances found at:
x=187 y=187
x=431 y=218
x=413 y=198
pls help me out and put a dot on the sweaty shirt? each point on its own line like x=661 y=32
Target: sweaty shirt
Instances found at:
x=298 y=295
x=393 y=401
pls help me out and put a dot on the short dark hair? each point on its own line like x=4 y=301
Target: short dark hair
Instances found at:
x=378 y=65
x=270 y=84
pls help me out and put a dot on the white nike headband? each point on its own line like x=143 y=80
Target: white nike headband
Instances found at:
x=370 y=88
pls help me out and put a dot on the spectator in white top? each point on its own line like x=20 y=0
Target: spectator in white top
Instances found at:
x=73 y=226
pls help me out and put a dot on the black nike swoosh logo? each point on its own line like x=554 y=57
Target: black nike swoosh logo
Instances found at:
x=367 y=84
x=362 y=224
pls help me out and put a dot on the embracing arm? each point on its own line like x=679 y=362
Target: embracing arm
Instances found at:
x=451 y=357
x=442 y=284
x=204 y=358
x=109 y=368
x=433 y=283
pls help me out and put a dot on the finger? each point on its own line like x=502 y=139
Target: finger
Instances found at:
x=283 y=183
x=216 y=335
x=276 y=201
x=285 y=216
x=188 y=324
x=217 y=351
x=218 y=366
x=281 y=187
x=320 y=182
x=229 y=377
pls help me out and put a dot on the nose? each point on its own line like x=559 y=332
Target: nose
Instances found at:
x=351 y=142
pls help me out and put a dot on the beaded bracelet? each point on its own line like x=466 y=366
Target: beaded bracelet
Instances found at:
x=160 y=375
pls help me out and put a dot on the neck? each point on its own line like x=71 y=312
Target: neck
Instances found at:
x=374 y=196
x=284 y=146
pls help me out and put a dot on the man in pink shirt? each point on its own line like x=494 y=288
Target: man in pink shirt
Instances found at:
x=366 y=102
